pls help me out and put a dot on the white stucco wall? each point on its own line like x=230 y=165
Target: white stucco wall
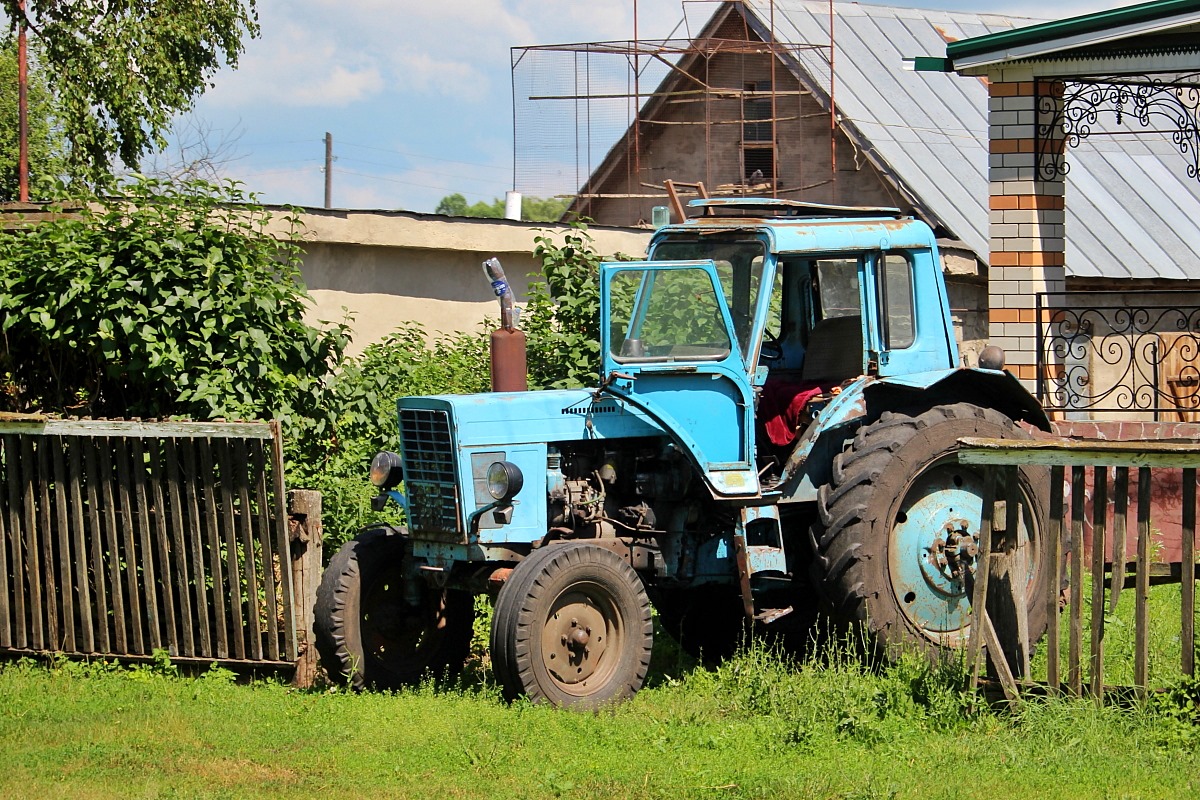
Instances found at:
x=392 y=267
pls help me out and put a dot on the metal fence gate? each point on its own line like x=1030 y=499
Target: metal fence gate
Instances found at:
x=121 y=537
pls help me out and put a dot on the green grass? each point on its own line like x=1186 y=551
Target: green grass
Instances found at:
x=1163 y=636
x=754 y=727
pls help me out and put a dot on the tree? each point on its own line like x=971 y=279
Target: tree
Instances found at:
x=172 y=300
x=201 y=152
x=455 y=205
x=533 y=209
x=122 y=69
x=47 y=149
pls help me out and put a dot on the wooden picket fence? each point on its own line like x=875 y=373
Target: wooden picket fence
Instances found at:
x=118 y=538
x=1000 y=622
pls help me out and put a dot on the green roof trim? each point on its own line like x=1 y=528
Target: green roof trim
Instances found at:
x=932 y=64
x=1072 y=26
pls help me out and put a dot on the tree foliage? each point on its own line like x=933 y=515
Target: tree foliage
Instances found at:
x=173 y=300
x=533 y=209
x=122 y=69
x=562 y=316
x=47 y=148
x=363 y=401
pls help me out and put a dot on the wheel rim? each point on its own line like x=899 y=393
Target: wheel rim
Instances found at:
x=397 y=636
x=933 y=549
x=582 y=639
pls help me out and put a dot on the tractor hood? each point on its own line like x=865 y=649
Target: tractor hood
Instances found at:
x=514 y=418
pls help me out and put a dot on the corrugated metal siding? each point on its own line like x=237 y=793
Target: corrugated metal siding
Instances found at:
x=1132 y=211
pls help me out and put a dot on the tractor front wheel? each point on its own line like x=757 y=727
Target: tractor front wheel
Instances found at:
x=369 y=631
x=572 y=627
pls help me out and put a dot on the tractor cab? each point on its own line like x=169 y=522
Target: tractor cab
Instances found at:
x=764 y=311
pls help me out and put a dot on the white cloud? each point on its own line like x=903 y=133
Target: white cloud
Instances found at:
x=428 y=75
x=296 y=65
x=340 y=87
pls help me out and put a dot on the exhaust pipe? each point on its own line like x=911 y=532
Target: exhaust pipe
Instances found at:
x=508 y=361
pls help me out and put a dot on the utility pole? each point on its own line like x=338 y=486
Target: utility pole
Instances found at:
x=328 y=169
x=22 y=109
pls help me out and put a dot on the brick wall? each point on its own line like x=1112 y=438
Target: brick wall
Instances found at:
x=1027 y=220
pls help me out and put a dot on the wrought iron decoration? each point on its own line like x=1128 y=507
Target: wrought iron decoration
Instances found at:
x=1167 y=104
x=1150 y=356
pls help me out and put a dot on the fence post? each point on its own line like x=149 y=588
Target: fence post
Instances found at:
x=306 y=532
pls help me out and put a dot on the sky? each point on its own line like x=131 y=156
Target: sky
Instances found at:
x=418 y=95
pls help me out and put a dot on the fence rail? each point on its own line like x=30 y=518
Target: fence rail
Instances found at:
x=1107 y=561
x=121 y=537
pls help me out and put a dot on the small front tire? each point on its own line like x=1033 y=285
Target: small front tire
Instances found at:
x=369 y=635
x=572 y=627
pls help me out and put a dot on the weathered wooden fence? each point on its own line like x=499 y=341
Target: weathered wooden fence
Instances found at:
x=121 y=537
x=1106 y=555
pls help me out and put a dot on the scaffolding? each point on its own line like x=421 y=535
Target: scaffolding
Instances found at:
x=610 y=124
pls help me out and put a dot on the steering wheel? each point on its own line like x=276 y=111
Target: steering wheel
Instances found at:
x=771 y=348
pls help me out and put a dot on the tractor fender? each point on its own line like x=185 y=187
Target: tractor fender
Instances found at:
x=867 y=398
x=987 y=388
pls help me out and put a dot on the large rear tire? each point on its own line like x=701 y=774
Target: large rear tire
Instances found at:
x=897 y=522
x=369 y=635
x=572 y=627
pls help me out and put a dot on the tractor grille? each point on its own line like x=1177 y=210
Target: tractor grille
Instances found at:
x=429 y=474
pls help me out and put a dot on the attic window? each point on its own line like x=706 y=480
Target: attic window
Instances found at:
x=757 y=107
x=758 y=163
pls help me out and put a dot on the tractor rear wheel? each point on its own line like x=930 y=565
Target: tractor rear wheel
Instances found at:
x=895 y=542
x=572 y=627
x=368 y=632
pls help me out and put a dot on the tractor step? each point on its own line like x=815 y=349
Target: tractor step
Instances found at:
x=763 y=561
x=768 y=615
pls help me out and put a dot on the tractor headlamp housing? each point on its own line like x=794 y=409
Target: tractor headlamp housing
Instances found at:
x=387 y=470
x=504 y=480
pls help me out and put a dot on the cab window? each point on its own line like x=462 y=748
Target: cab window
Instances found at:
x=896 y=302
x=666 y=315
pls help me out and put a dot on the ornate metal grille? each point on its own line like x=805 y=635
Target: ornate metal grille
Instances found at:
x=1116 y=355
x=1166 y=104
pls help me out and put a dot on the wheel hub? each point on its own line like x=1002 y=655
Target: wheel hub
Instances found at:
x=933 y=549
x=575 y=639
x=950 y=558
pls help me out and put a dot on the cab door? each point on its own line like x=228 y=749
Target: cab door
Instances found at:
x=670 y=349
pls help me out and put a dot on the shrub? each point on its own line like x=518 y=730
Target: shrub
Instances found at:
x=170 y=300
x=363 y=402
x=562 y=315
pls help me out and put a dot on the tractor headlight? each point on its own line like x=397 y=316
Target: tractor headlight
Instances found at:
x=387 y=470
x=504 y=480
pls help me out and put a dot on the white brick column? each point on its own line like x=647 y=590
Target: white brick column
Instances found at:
x=1026 y=215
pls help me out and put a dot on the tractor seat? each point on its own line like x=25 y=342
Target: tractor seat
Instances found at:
x=835 y=351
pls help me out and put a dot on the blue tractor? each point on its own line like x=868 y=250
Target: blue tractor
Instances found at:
x=773 y=433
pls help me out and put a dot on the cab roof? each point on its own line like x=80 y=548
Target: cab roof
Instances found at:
x=793 y=227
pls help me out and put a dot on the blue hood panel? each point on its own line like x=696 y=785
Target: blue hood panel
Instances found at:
x=514 y=418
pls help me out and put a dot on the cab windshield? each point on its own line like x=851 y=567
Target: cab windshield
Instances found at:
x=666 y=315
x=739 y=269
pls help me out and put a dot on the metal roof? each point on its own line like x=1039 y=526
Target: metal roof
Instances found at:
x=1132 y=210
x=1073 y=31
